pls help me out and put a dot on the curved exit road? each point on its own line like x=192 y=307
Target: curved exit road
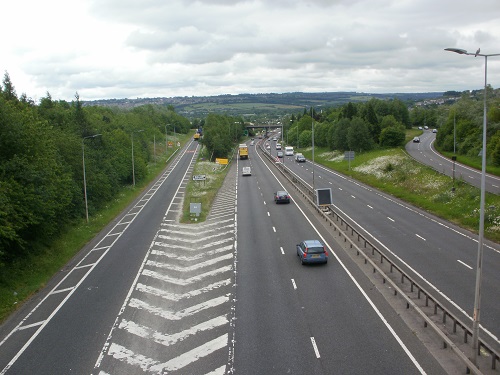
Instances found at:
x=425 y=153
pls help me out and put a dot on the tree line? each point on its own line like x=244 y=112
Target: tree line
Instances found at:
x=42 y=148
x=379 y=123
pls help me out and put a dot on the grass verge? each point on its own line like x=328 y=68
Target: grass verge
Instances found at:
x=395 y=172
x=203 y=192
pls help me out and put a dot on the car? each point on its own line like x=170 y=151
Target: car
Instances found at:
x=281 y=196
x=246 y=171
x=280 y=154
x=275 y=139
x=312 y=251
x=299 y=158
x=420 y=128
x=278 y=146
x=416 y=140
x=268 y=146
x=434 y=130
x=426 y=127
x=252 y=143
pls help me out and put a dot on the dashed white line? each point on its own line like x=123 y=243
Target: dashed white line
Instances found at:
x=282 y=251
x=391 y=219
x=353 y=196
x=316 y=351
x=369 y=206
x=268 y=214
x=465 y=264
x=420 y=237
x=274 y=229
x=294 y=285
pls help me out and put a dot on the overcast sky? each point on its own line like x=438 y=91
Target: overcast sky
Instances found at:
x=106 y=49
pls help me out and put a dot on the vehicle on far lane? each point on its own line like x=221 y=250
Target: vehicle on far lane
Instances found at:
x=312 y=251
x=416 y=140
x=280 y=154
x=281 y=197
x=246 y=171
x=299 y=158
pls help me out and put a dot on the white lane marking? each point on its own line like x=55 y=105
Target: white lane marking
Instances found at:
x=369 y=206
x=465 y=264
x=191 y=356
x=294 y=285
x=340 y=188
x=179 y=296
x=167 y=340
x=422 y=238
x=194 y=267
x=274 y=229
x=188 y=281
x=170 y=315
x=268 y=214
x=391 y=219
x=316 y=351
x=282 y=251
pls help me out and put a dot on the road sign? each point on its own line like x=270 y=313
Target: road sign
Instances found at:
x=323 y=197
x=199 y=177
x=349 y=155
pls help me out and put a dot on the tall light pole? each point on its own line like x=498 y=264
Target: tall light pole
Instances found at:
x=133 y=166
x=84 y=176
x=312 y=118
x=477 y=297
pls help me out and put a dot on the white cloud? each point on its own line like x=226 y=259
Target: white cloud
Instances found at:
x=116 y=49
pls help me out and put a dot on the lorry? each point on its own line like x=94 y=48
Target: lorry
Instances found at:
x=196 y=136
x=243 y=151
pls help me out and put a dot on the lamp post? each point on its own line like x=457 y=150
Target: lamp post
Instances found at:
x=477 y=295
x=133 y=167
x=312 y=118
x=84 y=177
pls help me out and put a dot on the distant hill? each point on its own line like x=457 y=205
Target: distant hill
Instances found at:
x=258 y=104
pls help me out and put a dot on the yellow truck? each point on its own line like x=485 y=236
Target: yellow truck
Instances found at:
x=243 y=151
x=196 y=136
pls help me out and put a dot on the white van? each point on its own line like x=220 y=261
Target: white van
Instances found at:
x=247 y=171
x=289 y=151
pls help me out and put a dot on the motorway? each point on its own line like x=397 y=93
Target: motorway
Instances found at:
x=149 y=295
x=425 y=153
x=435 y=251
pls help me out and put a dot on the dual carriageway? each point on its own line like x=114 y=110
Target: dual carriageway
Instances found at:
x=230 y=296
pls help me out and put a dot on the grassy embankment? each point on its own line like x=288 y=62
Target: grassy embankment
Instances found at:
x=395 y=172
x=23 y=278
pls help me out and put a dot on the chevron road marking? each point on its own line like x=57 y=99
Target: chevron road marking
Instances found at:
x=165 y=314
x=189 y=281
x=198 y=248
x=148 y=364
x=198 y=233
x=192 y=240
x=179 y=296
x=167 y=340
x=189 y=268
x=193 y=257
x=201 y=225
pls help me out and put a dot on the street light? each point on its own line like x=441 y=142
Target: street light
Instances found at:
x=477 y=296
x=133 y=167
x=84 y=177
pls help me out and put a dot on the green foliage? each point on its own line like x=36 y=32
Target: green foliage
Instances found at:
x=220 y=134
x=41 y=169
x=392 y=136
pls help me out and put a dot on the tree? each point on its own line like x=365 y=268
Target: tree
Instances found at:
x=8 y=90
x=358 y=136
x=392 y=136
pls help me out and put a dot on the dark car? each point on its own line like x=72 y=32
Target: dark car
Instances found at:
x=281 y=197
x=299 y=158
x=312 y=251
